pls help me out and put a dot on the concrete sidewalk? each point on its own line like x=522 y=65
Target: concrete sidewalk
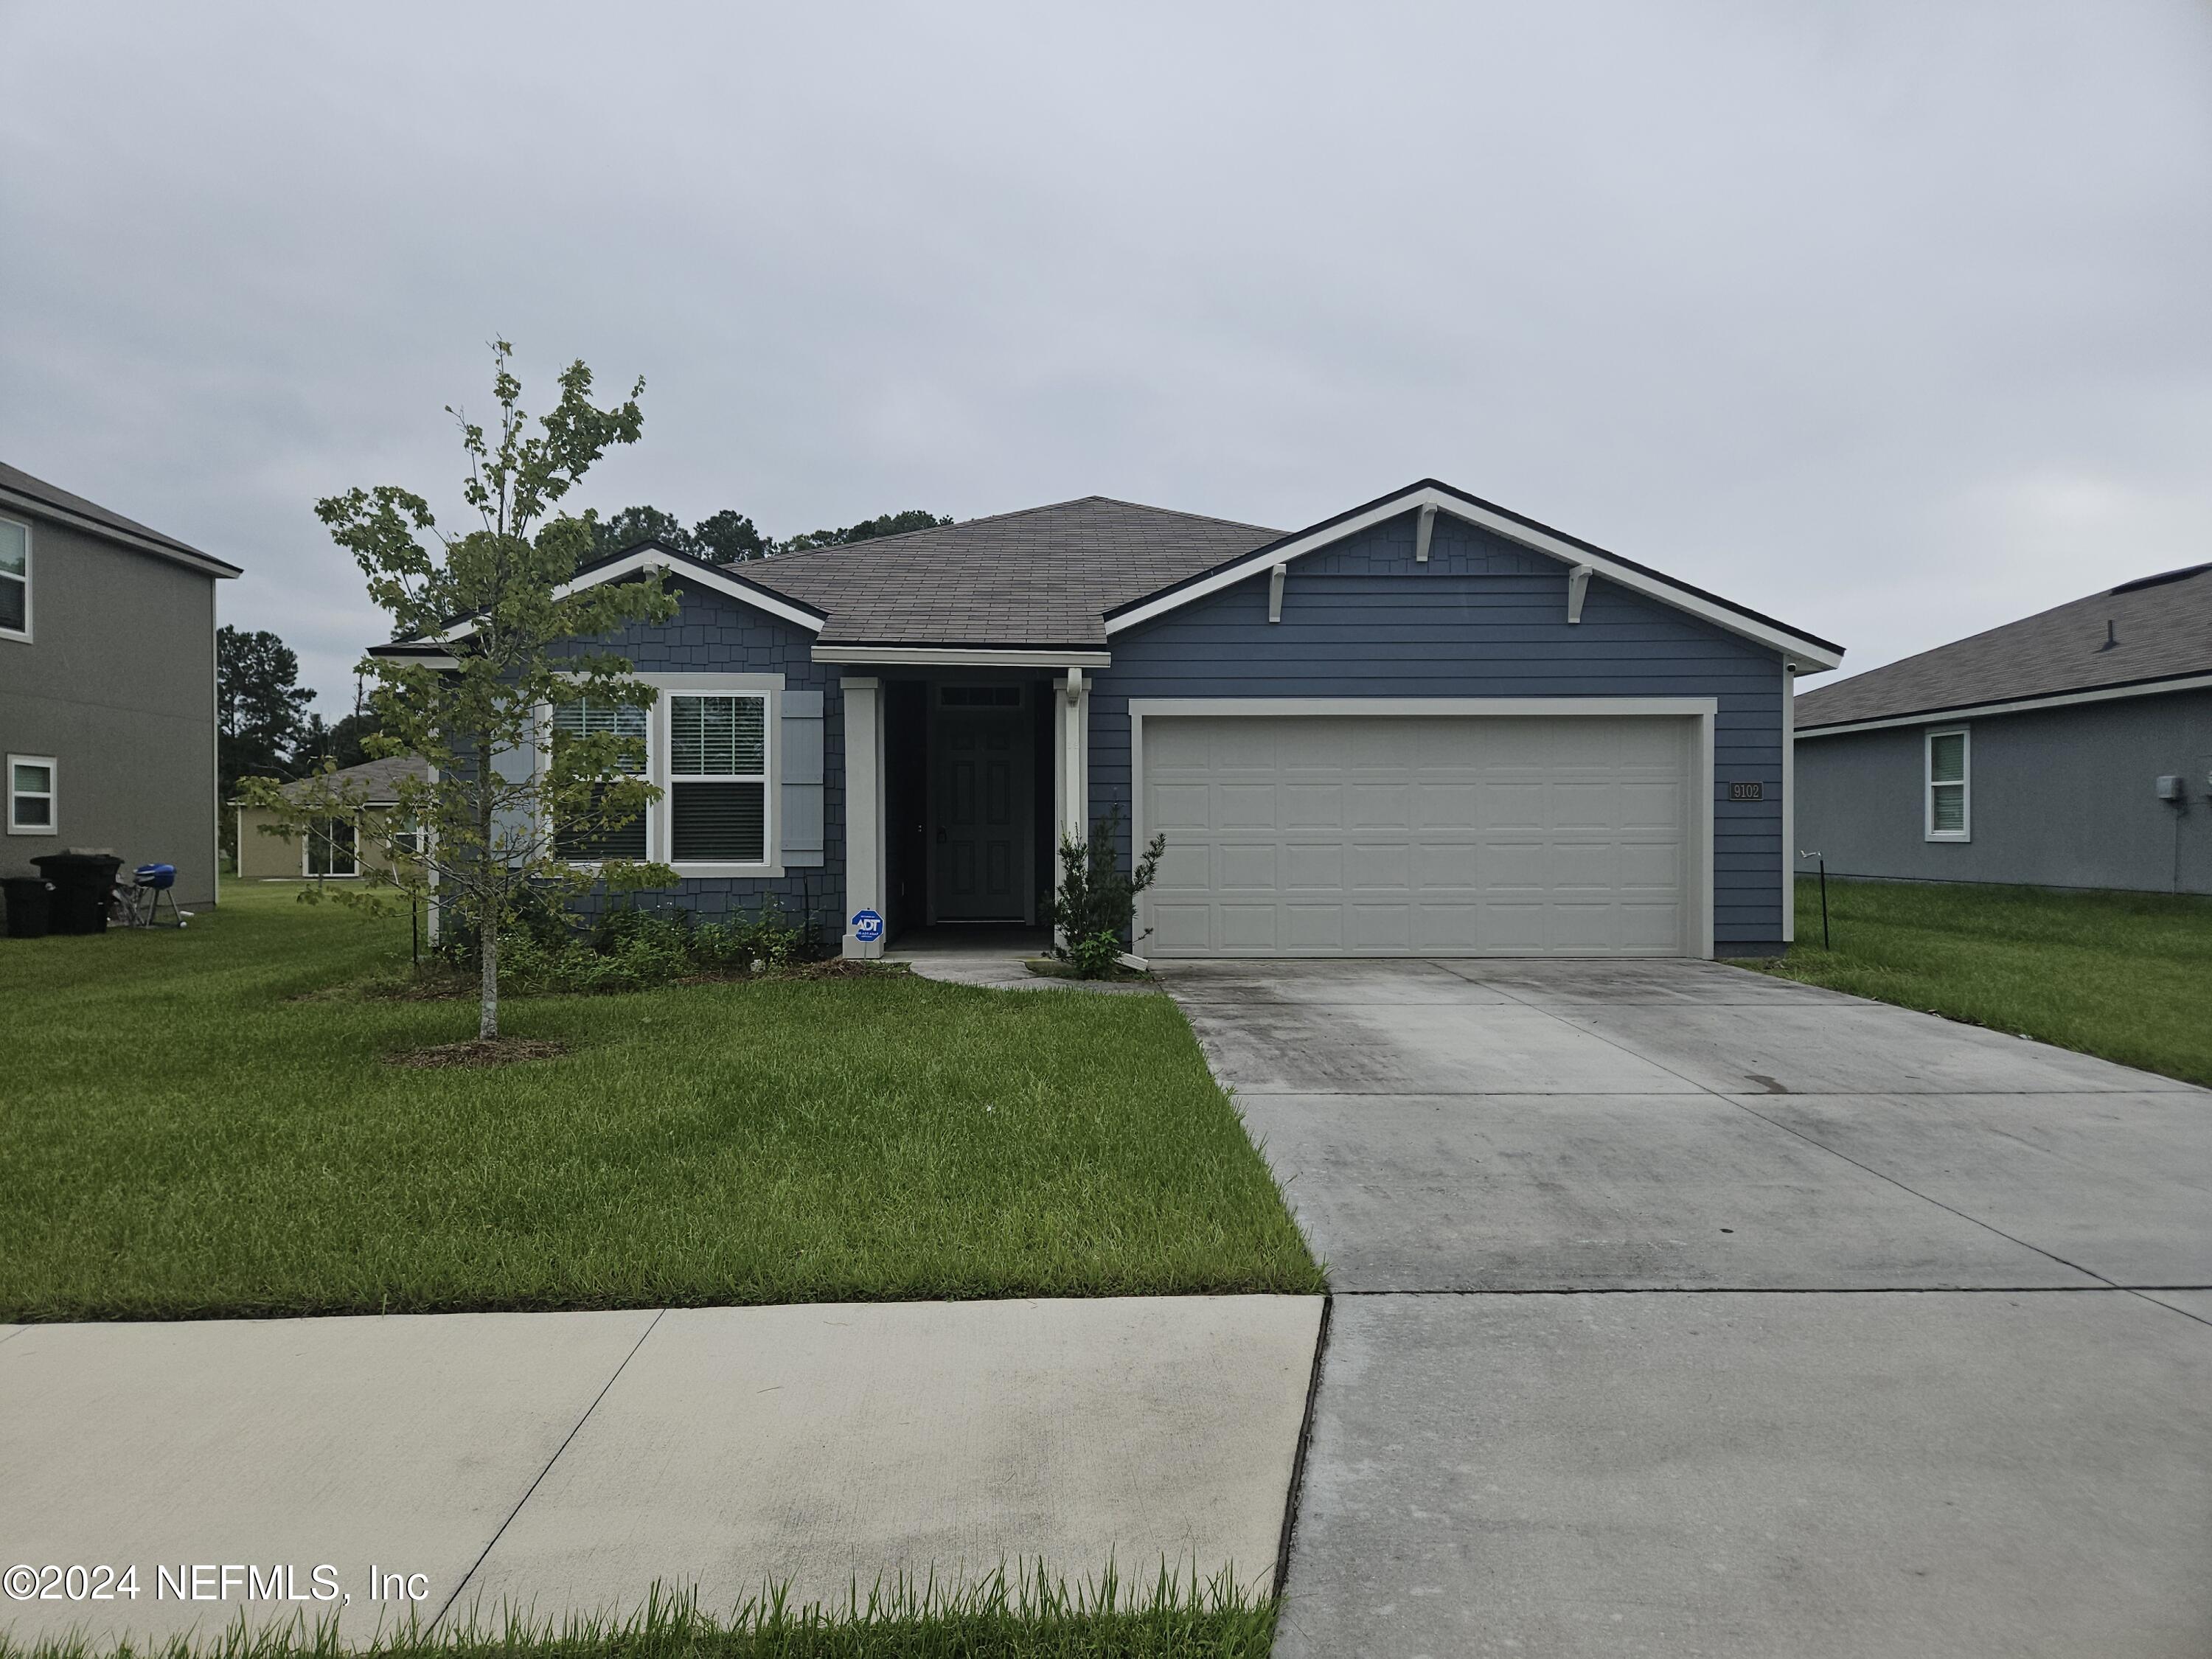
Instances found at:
x=565 y=1461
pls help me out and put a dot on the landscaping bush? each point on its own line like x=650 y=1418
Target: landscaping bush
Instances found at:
x=1095 y=908
x=633 y=948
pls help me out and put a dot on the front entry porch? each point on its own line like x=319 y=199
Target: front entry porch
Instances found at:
x=958 y=784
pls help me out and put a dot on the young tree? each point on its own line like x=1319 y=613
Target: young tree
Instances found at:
x=508 y=805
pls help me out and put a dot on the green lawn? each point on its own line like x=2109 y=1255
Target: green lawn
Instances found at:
x=186 y=1137
x=1004 y=1617
x=2124 y=975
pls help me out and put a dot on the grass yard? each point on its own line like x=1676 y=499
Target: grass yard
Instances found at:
x=186 y=1137
x=2127 y=976
x=1023 y=1619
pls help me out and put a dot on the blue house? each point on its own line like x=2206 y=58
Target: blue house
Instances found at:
x=1426 y=726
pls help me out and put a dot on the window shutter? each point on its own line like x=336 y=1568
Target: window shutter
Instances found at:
x=801 y=797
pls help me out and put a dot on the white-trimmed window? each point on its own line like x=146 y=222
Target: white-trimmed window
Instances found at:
x=717 y=778
x=331 y=848
x=14 y=580
x=32 y=796
x=1949 y=764
x=585 y=844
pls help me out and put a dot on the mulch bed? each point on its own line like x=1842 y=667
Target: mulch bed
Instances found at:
x=479 y=1051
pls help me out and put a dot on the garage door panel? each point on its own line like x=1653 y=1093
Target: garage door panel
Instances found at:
x=1447 y=929
x=1244 y=805
x=1181 y=928
x=1653 y=928
x=1247 y=926
x=1178 y=807
x=1447 y=835
x=1514 y=865
x=1384 y=928
x=1369 y=865
x=1311 y=805
x=1509 y=804
x=1317 y=927
x=1381 y=805
x=1245 y=866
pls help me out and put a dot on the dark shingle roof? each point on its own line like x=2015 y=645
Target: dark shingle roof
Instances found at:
x=1042 y=577
x=379 y=778
x=22 y=483
x=2160 y=627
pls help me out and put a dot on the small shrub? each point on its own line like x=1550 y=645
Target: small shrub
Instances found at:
x=1095 y=908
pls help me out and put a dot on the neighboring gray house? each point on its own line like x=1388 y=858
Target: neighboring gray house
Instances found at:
x=1427 y=725
x=2071 y=749
x=107 y=721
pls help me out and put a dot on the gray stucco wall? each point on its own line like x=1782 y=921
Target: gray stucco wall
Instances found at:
x=1483 y=618
x=715 y=633
x=2060 y=798
x=117 y=685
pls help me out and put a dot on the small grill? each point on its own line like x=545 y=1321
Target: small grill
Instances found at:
x=150 y=885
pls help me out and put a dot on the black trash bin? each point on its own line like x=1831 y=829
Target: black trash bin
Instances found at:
x=28 y=911
x=82 y=882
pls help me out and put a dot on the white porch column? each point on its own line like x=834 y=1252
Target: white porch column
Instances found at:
x=1075 y=754
x=864 y=809
x=1071 y=760
x=1789 y=802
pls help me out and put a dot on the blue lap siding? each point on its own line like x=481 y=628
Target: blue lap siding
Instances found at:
x=1483 y=618
x=715 y=633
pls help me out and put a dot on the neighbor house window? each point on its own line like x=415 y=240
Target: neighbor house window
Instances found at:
x=583 y=842
x=30 y=795
x=331 y=848
x=717 y=779
x=14 y=579
x=407 y=840
x=1949 y=808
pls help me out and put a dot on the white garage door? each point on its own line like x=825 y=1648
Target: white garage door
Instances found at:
x=1420 y=834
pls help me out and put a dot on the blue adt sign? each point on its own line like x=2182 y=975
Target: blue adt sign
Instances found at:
x=867 y=926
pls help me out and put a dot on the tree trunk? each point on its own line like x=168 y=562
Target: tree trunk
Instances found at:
x=489 y=907
x=487 y=951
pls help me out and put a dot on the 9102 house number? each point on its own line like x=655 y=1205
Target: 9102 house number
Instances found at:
x=1746 y=791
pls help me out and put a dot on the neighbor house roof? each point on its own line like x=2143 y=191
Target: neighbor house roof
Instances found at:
x=1043 y=577
x=20 y=487
x=2136 y=638
x=378 y=780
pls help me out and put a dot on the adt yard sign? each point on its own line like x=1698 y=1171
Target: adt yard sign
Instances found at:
x=867 y=926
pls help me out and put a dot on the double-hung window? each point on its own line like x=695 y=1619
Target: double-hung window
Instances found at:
x=588 y=841
x=1949 y=807
x=717 y=779
x=14 y=580
x=30 y=795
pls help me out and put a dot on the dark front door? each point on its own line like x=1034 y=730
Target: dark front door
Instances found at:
x=981 y=802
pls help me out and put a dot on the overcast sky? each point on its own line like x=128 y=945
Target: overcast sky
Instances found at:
x=1892 y=322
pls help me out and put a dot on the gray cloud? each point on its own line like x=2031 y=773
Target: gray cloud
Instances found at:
x=1889 y=320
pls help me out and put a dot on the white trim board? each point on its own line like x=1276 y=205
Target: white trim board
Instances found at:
x=631 y=564
x=962 y=656
x=2020 y=706
x=1698 y=830
x=1805 y=653
x=24 y=635
x=648 y=558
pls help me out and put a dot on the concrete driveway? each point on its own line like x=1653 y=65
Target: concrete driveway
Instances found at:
x=1680 y=1310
